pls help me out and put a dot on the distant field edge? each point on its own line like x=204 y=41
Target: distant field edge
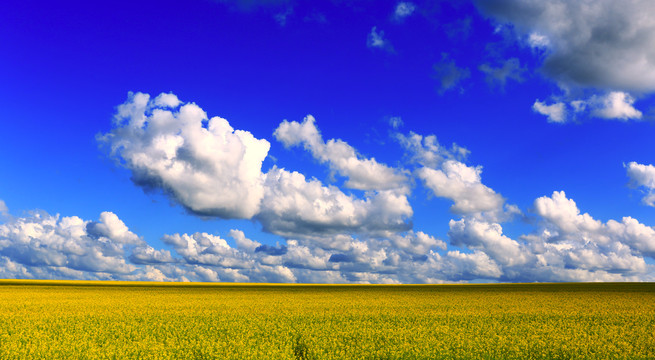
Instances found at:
x=648 y=286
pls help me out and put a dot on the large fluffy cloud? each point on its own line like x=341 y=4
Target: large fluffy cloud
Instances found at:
x=604 y=47
x=214 y=170
x=603 y=44
x=206 y=165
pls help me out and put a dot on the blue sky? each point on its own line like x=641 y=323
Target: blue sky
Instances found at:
x=332 y=141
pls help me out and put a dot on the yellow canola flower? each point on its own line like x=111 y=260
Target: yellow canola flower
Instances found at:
x=120 y=320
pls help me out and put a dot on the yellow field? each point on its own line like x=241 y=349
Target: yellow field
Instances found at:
x=88 y=320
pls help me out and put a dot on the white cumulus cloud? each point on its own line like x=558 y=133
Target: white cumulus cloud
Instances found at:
x=565 y=224
x=564 y=213
x=362 y=173
x=214 y=170
x=376 y=40
x=489 y=238
x=615 y=105
x=403 y=10
x=462 y=184
x=69 y=244
x=204 y=164
x=555 y=112
x=443 y=171
x=604 y=47
x=468 y=266
x=426 y=150
x=602 y=44
x=294 y=206
x=643 y=176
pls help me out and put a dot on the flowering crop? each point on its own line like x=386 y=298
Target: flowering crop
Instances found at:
x=110 y=320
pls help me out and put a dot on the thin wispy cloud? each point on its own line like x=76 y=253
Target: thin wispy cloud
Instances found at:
x=403 y=9
x=449 y=75
x=377 y=40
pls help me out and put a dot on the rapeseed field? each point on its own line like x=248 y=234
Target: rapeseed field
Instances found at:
x=111 y=320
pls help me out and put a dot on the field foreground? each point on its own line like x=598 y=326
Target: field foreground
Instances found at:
x=66 y=319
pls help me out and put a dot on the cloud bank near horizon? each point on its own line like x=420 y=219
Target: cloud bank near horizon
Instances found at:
x=328 y=234
x=565 y=246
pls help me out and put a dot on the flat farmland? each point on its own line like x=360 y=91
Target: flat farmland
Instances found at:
x=119 y=320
